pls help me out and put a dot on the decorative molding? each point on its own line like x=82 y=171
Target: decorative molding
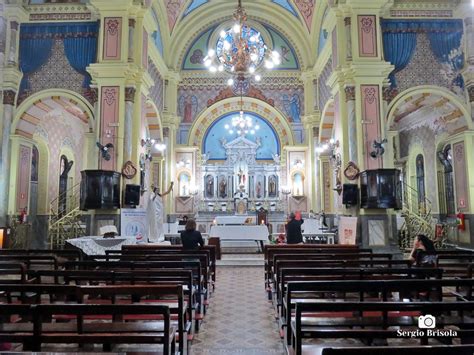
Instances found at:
x=276 y=81
x=131 y=22
x=421 y=13
x=92 y=95
x=367 y=35
x=129 y=170
x=229 y=92
x=166 y=132
x=112 y=38
x=351 y=171
x=9 y=97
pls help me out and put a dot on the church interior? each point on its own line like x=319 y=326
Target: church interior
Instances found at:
x=323 y=150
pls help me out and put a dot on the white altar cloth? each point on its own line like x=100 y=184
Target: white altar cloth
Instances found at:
x=226 y=220
x=244 y=233
x=311 y=226
x=98 y=245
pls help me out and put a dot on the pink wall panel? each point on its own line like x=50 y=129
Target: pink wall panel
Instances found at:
x=112 y=38
x=23 y=185
x=335 y=61
x=109 y=116
x=370 y=123
x=145 y=50
x=460 y=176
x=367 y=26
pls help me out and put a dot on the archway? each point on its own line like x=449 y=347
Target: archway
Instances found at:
x=427 y=117
x=55 y=122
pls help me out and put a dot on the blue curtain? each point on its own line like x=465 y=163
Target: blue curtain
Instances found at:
x=36 y=41
x=399 y=43
x=81 y=52
x=35 y=49
x=445 y=44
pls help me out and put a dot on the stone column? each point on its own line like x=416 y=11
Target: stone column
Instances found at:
x=131 y=36
x=13 y=40
x=129 y=103
x=5 y=124
x=351 y=122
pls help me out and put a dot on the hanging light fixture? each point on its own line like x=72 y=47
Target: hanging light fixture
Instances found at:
x=241 y=51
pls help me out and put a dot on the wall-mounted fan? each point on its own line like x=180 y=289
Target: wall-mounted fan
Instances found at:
x=104 y=150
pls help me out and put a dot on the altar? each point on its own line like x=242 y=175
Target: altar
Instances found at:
x=241 y=233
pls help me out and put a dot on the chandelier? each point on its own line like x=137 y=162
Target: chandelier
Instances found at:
x=242 y=125
x=241 y=51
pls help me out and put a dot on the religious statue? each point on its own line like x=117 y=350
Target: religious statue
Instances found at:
x=241 y=176
x=210 y=186
x=188 y=106
x=223 y=188
x=272 y=187
x=259 y=189
x=155 y=215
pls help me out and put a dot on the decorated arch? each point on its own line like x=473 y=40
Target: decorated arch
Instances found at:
x=268 y=113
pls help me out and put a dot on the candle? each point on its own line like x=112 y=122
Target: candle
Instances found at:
x=2 y=231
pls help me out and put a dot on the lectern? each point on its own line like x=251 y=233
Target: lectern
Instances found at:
x=380 y=188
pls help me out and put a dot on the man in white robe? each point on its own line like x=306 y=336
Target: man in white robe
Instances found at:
x=155 y=216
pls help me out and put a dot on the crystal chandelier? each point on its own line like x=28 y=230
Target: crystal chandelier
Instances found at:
x=242 y=125
x=241 y=51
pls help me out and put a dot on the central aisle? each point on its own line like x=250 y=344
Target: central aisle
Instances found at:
x=240 y=319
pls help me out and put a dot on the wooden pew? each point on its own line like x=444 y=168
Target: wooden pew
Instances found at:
x=137 y=277
x=351 y=319
x=12 y=272
x=68 y=254
x=212 y=249
x=401 y=350
x=36 y=328
x=194 y=266
x=34 y=262
x=167 y=295
x=292 y=274
x=363 y=289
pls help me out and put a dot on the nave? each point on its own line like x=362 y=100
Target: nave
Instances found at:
x=307 y=299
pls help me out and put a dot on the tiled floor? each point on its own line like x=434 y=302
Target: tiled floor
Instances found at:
x=240 y=319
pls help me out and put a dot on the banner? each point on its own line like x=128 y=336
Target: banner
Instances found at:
x=347 y=230
x=133 y=222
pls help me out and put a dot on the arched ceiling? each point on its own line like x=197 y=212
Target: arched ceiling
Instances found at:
x=181 y=21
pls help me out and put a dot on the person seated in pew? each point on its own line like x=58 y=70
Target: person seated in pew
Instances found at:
x=423 y=253
x=293 y=230
x=190 y=237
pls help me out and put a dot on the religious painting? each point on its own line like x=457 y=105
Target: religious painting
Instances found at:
x=184 y=181
x=272 y=186
x=297 y=180
x=222 y=183
x=209 y=186
x=187 y=107
x=292 y=107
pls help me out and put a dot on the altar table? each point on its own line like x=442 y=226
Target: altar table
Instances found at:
x=233 y=220
x=244 y=233
x=98 y=245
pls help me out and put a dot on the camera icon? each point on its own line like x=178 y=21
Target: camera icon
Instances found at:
x=426 y=322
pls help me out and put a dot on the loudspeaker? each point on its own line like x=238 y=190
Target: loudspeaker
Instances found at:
x=132 y=195
x=350 y=194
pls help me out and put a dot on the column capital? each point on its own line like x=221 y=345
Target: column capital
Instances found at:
x=15 y=13
x=130 y=92
x=9 y=97
x=350 y=92
x=173 y=77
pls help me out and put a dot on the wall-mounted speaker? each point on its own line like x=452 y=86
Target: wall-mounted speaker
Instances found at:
x=350 y=194
x=132 y=195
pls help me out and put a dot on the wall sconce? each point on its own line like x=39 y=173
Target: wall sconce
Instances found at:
x=332 y=144
x=183 y=164
x=151 y=142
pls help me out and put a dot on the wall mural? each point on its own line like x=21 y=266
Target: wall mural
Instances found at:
x=221 y=132
x=306 y=8
x=173 y=9
x=194 y=57
x=193 y=6
x=286 y=4
x=156 y=35
x=196 y=95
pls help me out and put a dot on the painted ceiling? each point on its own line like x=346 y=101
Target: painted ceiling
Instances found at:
x=178 y=9
x=429 y=110
x=198 y=50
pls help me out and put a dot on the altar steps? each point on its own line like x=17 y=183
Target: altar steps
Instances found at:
x=241 y=260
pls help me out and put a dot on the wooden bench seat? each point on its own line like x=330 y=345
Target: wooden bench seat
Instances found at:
x=399 y=350
x=37 y=328
x=388 y=319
